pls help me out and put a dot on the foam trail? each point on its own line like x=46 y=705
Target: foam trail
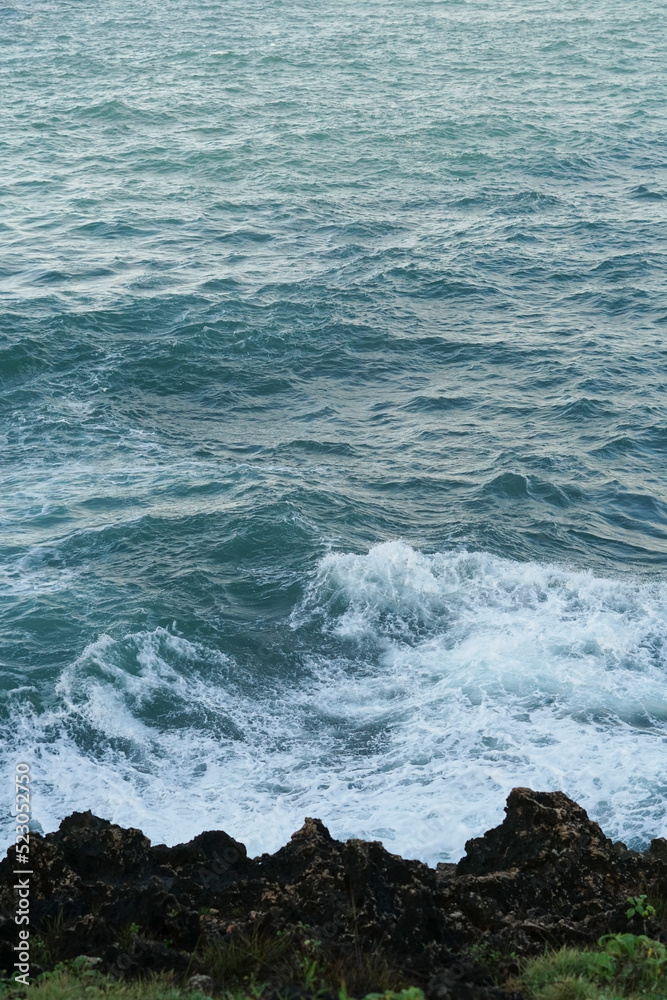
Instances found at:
x=434 y=684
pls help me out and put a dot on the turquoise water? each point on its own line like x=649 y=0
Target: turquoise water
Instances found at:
x=332 y=413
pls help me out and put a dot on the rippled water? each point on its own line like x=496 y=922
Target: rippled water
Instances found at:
x=332 y=413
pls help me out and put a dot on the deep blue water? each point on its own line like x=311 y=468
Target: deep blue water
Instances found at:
x=332 y=413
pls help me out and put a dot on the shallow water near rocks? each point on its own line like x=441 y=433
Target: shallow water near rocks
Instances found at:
x=332 y=414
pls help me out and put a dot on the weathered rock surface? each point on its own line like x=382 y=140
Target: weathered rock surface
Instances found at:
x=547 y=874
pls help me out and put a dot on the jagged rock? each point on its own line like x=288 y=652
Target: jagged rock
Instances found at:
x=540 y=829
x=547 y=874
x=658 y=848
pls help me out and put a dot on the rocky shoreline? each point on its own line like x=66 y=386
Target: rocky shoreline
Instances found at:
x=547 y=876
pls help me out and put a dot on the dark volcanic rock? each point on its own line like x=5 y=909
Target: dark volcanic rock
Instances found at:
x=540 y=828
x=546 y=874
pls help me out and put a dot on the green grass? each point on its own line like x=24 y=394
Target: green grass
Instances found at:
x=73 y=981
x=624 y=967
x=68 y=982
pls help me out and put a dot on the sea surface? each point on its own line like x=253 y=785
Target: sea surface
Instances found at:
x=333 y=422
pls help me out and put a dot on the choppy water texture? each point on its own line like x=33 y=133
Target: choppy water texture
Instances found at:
x=332 y=413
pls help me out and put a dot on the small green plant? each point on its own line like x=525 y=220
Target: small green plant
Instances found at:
x=126 y=935
x=309 y=964
x=639 y=907
x=639 y=962
x=77 y=968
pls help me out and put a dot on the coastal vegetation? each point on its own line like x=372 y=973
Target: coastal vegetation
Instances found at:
x=622 y=967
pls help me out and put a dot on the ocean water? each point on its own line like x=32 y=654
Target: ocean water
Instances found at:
x=333 y=422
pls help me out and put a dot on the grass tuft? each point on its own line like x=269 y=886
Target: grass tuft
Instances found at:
x=295 y=958
x=625 y=967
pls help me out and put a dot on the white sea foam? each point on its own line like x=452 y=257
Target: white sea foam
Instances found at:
x=435 y=683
